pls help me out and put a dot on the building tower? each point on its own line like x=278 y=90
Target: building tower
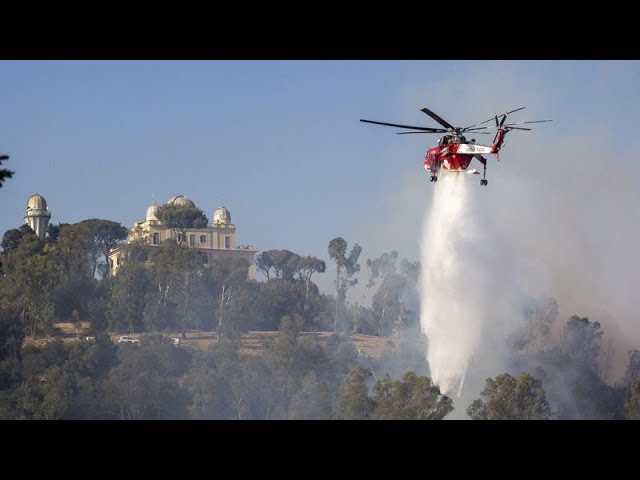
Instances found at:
x=37 y=215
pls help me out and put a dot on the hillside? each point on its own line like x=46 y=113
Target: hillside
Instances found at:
x=251 y=342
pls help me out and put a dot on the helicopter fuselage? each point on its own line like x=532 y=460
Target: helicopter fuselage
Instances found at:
x=454 y=156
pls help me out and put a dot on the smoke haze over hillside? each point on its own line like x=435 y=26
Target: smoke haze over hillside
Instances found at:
x=558 y=217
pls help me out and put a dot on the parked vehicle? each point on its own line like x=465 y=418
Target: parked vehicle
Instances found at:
x=127 y=339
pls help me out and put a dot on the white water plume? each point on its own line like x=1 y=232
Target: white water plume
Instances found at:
x=467 y=299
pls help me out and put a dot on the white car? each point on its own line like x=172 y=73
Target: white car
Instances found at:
x=127 y=339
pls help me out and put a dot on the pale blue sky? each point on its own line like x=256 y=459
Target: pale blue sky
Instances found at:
x=279 y=142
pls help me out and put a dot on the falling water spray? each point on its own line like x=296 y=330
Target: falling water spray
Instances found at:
x=466 y=295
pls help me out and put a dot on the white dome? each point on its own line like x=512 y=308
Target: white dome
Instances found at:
x=221 y=216
x=36 y=202
x=152 y=213
x=181 y=201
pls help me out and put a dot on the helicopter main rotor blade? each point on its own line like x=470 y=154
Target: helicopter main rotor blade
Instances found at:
x=425 y=129
x=475 y=129
x=504 y=125
x=492 y=118
x=530 y=121
x=438 y=119
x=516 y=110
x=407 y=133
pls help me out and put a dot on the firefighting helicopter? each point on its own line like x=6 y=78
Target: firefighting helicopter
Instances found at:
x=453 y=152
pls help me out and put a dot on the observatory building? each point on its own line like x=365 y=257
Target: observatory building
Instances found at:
x=216 y=241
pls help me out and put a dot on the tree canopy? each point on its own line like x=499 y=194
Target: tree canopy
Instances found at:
x=4 y=173
x=411 y=398
x=102 y=235
x=511 y=398
x=182 y=217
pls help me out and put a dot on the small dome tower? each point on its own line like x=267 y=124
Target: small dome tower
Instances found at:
x=221 y=216
x=37 y=215
x=152 y=213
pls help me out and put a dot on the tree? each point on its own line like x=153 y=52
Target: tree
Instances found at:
x=312 y=401
x=412 y=398
x=127 y=297
x=242 y=390
x=12 y=238
x=175 y=273
x=289 y=287
x=511 y=398
x=582 y=341
x=539 y=315
x=228 y=284
x=574 y=388
x=12 y=255
x=377 y=268
x=103 y=235
x=408 y=294
x=632 y=401
x=144 y=384
x=264 y=263
x=11 y=330
x=353 y=398
x=275 y=299
x=571 y=377
x=283 y=357
x=38 y=282
x=182 y=218
x=307 y=266
x=4 y=173
x=285 y=263
x=74 y=253
x=391 y=304
x=395 y=303
x=210 y=399
x=53 y=232
x=346 y=267
x=632 y=373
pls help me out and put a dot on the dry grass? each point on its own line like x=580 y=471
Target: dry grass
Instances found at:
x=251 y=343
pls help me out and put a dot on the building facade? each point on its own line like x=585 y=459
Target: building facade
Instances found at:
x=37 y=215
x=215 y=241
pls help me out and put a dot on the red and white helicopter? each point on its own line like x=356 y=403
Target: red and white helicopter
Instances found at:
x=454 y=152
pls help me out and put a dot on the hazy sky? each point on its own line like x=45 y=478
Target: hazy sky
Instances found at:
x=279 y=142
